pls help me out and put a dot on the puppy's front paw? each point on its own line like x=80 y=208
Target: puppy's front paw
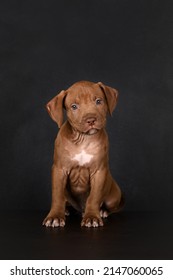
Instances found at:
x=91 y=221
x=54 y=221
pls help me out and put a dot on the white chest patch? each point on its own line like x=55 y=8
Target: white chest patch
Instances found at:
x=82 y=158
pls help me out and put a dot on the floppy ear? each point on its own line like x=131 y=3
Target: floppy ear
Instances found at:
x=111 y=95
x=55 y=108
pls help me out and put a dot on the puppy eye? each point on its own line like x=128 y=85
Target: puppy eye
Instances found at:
x=74 y=107
x=98 y=101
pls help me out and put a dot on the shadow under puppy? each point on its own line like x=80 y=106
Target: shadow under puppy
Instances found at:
x=80 y=171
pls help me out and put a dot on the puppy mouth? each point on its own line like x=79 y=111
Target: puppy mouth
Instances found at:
x=88 y=129
x=92 y=131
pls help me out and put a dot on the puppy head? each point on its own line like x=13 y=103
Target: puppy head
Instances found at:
x=86 y=104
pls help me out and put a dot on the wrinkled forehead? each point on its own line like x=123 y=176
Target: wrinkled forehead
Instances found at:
x=83 y=93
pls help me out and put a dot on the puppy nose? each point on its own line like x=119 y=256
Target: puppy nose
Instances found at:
x=91 y=121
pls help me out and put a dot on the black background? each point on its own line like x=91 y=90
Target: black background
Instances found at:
x=48 y=45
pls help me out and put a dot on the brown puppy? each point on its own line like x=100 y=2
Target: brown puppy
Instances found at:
x=80 y=172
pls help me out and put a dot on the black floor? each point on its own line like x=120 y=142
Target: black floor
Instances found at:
x=127 y=235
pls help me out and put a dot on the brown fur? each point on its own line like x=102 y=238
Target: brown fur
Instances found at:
x=80 y=172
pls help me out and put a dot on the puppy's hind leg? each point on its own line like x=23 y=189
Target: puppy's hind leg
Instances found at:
x=114 y=201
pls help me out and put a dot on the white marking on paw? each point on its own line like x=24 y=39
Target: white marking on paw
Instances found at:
x=48 y=223
x=95 y=224
x=62 y=223
x=103 y=213
x=88 y=224
x=82 y=158
x=55 y=223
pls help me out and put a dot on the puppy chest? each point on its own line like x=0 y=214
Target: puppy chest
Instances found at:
x=79 y=180
x=82 y=158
